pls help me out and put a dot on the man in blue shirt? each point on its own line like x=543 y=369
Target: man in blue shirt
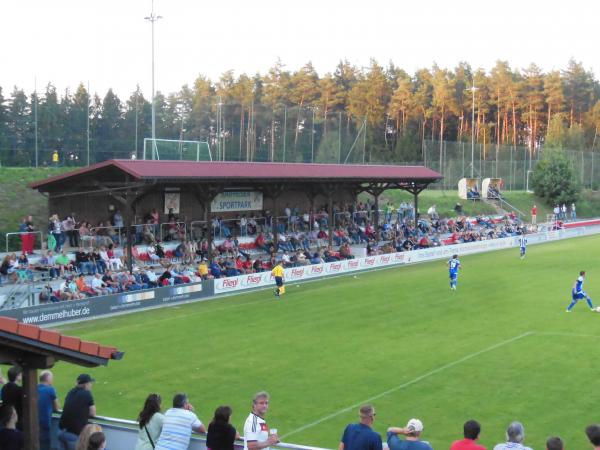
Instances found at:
x=412 y=432
x=47 y=403
x=453 y=266
x=360 y=436
x=577 y=293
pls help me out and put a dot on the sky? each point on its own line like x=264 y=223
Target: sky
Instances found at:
x=108 y=43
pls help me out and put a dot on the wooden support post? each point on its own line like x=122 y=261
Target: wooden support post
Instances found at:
x=376 y=219
x=30 y=412
x=330 y=216
x=129 y=214
x=416 y=194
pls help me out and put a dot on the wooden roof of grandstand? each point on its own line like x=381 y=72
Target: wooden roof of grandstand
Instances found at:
x=206 y=171
x=22 y=343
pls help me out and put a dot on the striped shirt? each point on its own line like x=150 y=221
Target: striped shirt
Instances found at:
x=522 y=242
x=177 y=429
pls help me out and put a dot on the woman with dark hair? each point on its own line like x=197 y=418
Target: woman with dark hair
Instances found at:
x=97 y=441
x=151 y=421
x=221 y=433
x=10 y=437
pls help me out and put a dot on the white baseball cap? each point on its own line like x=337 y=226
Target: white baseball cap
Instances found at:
x=415 y=425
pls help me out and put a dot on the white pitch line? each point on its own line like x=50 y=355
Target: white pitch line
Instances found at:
x=549 y=333
x=409 y=383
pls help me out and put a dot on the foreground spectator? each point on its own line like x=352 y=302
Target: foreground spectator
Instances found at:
x=554 y=443
x=471 y=431
x=413 y=441
x=12 y=393
x=97 y=441
x=150 y=421
x=83 y=443
x=515 y=435
x=178 y=424
x=256 y=430
x=10 y=437
x=593 y=434
x=221 y=434
x=360 y=436
x=79 y=407
x=47 y=404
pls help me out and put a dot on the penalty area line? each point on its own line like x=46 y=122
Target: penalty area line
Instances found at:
x=410 y=383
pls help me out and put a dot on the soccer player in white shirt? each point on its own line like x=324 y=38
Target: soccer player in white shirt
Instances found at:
x=523 y=245
x=256 y=430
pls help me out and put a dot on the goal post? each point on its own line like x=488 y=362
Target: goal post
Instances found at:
x=174 y=149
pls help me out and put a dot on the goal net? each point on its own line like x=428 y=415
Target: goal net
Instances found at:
x=173 y=149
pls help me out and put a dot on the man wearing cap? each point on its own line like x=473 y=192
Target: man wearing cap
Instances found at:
x=471 y=430
x=361 y=436
x=79 y=407
x=413 y=441
x=515 y=435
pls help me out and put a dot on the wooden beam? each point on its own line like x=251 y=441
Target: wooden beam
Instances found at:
x=30 y=411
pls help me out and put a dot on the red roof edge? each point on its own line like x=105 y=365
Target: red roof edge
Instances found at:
x=100 y=165
x=56 y=339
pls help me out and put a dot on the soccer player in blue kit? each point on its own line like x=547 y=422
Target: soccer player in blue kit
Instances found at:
x=453 y=266
x=577 y=293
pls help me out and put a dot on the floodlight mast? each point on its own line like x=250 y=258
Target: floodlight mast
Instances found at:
x=153 y=18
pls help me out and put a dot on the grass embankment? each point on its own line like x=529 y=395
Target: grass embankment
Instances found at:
x=17 y=199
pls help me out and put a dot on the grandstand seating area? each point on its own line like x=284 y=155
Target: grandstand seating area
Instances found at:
x=176 y=253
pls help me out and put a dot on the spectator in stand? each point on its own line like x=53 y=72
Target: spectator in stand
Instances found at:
x=573 y=212
x=83 y=287
x=83 y=442
x=12 y=393
x=221 y=434
x=471 y=431
x=150 y=421
x=99 y=287
x=215 y=269
x=71 y=233
x=256 y=430
x=79 y=407
x=151 y=278
x=554 y=443
x=361 y=436
x=515 y=435
x=82 y=260
x=11 y=438
x=534 y=214
x=47 y=295
x=55 y=228
x=27 y=235
x=47 y=404
x=257 y=265
x=346 y=251
x=63 y=263
x=178 y=424
x=412 y=432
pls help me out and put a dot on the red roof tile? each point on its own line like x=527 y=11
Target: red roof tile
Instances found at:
x=49 y=337
x=139 y=169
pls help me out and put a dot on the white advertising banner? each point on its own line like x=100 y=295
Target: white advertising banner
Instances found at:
x=237 y=201
x=254 y=280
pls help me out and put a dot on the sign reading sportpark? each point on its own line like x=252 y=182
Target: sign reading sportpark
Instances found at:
x=237 y=201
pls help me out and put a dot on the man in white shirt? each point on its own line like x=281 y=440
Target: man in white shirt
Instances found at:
x=256 y=430
x=98 y=285
x=178 y=425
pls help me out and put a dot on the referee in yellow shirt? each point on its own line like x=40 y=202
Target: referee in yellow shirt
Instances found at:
x=277 y=272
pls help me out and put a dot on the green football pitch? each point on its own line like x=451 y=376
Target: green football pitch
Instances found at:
x=500 y=348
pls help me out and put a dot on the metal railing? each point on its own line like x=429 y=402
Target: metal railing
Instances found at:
x=18 y=233
x=179 y=230
x=121 y=434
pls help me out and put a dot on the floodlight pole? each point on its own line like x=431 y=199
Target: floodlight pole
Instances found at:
x=35 y=105
x=473 y=89
x=153 y=18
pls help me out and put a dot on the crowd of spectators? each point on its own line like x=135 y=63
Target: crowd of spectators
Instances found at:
x=96 y=264
x=172 y=430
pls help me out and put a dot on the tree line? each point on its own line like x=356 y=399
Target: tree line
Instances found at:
x=252 y=117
